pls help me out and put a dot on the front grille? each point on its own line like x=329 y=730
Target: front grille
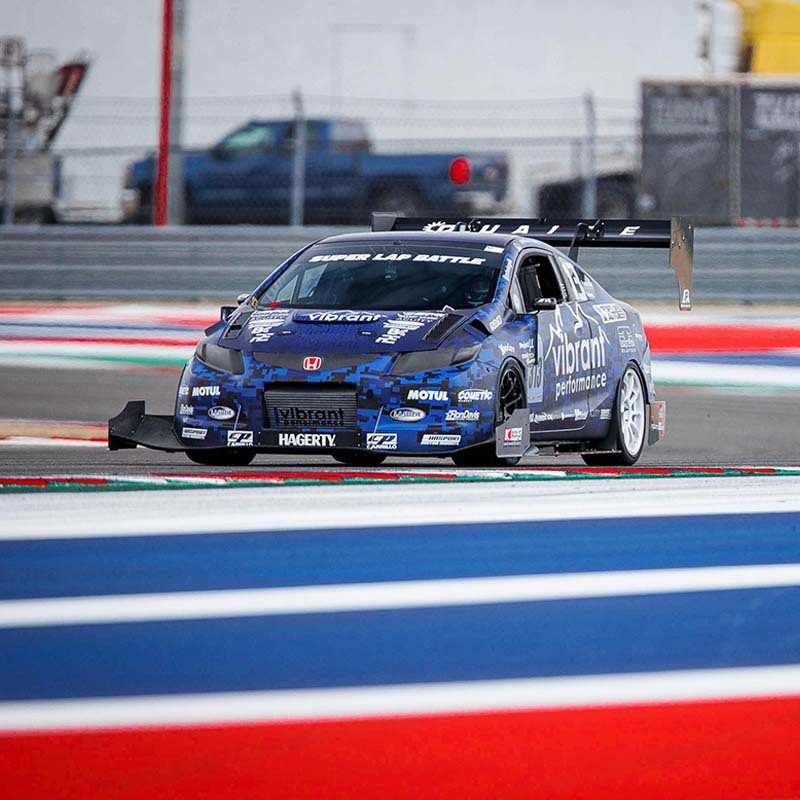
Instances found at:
x=310 y=407
x=329 y=362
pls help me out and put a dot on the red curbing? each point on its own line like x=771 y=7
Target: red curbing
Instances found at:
x=719 y=750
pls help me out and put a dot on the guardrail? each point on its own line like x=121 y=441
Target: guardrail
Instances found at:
x=217 y=263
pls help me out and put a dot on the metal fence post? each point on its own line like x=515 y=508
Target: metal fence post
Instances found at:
x=10 y=147
x=299 y=161
x=589 y=202
x=175 y=178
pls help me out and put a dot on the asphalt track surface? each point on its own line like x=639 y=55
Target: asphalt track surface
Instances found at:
x=705 y=427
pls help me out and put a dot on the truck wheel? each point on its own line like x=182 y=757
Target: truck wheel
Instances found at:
x=235 y=457
x=401 y=200
x=509 y=396
x=629 y=424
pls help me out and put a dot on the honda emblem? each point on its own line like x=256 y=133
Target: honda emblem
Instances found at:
x=312 y=363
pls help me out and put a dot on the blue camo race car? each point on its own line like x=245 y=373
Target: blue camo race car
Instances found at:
x=478 y=340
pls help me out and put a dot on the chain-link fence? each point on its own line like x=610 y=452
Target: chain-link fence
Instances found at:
x=361 y=154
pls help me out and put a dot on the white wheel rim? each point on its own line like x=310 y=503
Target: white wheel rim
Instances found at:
x=631 y=414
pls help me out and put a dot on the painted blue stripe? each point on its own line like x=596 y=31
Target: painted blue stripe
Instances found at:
x=97 y=566
x=574 y=637
x=743 y=360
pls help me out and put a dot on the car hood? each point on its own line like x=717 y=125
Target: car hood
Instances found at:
x=348 y=331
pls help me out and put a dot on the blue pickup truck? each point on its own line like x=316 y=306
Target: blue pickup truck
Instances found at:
x=247 y=176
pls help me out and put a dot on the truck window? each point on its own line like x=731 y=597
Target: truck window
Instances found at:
x=249 y=141
x=313 y=135
x=349 y=136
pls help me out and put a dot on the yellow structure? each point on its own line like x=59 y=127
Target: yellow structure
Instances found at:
x=770 y=36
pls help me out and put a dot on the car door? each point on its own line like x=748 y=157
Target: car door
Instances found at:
x=558 y=394
x=247 y=176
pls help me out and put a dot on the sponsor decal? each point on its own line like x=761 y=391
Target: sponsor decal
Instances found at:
x=338 y=316
x=438 y=258
x=507 y=349
x=495 y=323
x=407 y=414
x=426 y=394
x=472 y=395
x=396 y=328
x=262 y=323
x=312 y=363
x=605 y=413
x=221 y=412
x=240 y=438
x=183 y=391
x=306 y=439
x=439 y=439
x=580 y=415
x=186 y=410
x=381 y=441
x=611 y=312
x=194 y=433
x=454 y=415
x=512 y=436
x=297 y=417
x=579 y=364
x=205 y=391
x=626 y=341
x=541 y=416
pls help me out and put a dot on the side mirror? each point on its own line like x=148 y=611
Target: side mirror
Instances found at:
x=240 y=298
x=226 y=312
x=219 y=152
x=544 y=304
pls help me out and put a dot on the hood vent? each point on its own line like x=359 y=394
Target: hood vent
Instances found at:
x=442 y=328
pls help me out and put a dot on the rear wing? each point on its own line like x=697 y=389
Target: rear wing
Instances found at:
x=677 y=234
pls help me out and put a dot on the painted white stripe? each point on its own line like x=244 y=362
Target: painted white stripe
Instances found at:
x=388 y=595
x=57 y=515
x=42 y=441
x=710 y=374
x=403 y=700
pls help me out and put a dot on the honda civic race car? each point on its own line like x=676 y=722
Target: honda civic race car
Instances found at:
x=477 y=340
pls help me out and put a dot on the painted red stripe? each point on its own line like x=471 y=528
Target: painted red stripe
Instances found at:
x=714 y=751
x=721 y=338
x=99 y=340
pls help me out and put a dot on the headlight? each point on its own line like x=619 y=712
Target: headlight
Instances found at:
x=427 y=360
x=222 y=358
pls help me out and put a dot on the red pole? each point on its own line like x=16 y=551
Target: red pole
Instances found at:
x=166 y=101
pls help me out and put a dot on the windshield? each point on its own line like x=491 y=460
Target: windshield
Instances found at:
x=388 y=275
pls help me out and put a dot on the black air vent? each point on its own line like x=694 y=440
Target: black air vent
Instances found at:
x=442 y=328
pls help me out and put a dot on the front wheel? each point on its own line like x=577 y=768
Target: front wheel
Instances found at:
x=628 y=424
x=235 y=457
x=359 y=459
x=509 y=397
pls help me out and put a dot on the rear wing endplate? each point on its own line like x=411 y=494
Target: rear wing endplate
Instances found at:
x=677 y=234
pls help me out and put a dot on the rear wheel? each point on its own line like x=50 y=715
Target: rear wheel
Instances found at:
x=509 y=397
x=359 y=459
x=628 y=423
x=235 y=457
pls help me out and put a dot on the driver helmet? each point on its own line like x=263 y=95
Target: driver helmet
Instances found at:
x=477 y=292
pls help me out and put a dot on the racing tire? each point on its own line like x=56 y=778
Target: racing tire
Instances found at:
x=358 y=459
x=234 y=457
x=509 y=396
x=628 y=425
